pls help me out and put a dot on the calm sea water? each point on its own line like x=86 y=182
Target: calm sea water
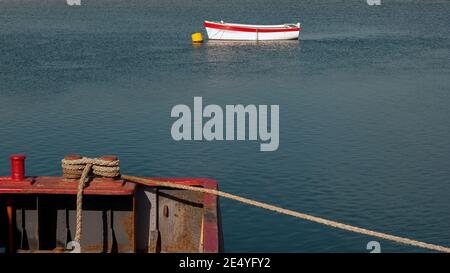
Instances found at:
x=364 y=108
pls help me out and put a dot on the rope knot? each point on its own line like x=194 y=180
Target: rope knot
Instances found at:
x=77 y=167
x=105 y=166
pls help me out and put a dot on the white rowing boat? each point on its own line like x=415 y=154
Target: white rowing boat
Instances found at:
x=229 y=31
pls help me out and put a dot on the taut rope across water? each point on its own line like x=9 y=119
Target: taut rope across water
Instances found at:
x=81 y=167
x=403 y=240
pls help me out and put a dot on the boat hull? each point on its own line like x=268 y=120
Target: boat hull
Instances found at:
x=221 y=31
x=38 y=215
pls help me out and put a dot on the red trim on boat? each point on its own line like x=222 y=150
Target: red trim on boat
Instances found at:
x=248 y=29
x=212 y=233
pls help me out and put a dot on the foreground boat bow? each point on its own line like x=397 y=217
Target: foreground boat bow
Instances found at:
x=38 y=214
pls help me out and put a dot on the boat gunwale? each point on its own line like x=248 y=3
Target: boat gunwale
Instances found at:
x=212 y=238
x=252 y=28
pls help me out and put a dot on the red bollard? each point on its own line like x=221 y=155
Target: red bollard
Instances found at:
x=109 y=157
x=108 y=179
x=17 y=167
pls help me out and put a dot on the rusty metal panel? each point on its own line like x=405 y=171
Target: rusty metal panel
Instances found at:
x=168 y=220
x=108 y=224
x=146 y=221
x=180 y=215
x=50 y=222
x=65 y=226
x=117 y=217
x=26 y=214
x=93 y=225
x=121 y=220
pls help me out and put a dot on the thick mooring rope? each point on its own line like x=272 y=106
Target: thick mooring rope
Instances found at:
x=402 y=240
x=79 y=216
x=81 y=168
x=74 y=168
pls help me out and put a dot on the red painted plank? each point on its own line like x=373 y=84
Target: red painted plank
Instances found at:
x=58 y=185
x=248 y=29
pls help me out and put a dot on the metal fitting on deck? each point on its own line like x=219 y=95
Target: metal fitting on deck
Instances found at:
x=17 y=167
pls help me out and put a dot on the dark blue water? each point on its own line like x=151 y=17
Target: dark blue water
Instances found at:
x=364 y=108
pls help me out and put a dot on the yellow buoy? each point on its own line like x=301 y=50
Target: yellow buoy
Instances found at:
x=197 y=38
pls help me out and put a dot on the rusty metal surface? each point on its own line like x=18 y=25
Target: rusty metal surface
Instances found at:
x=173 y=216
x=117 y=217
x=26 y=215
x=180 y=227
x=210 y=229
x=146 y=219
x=48 y=221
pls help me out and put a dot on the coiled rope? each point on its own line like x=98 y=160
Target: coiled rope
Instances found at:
x=107 y=166
x=110 y=168
x=80 y=167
